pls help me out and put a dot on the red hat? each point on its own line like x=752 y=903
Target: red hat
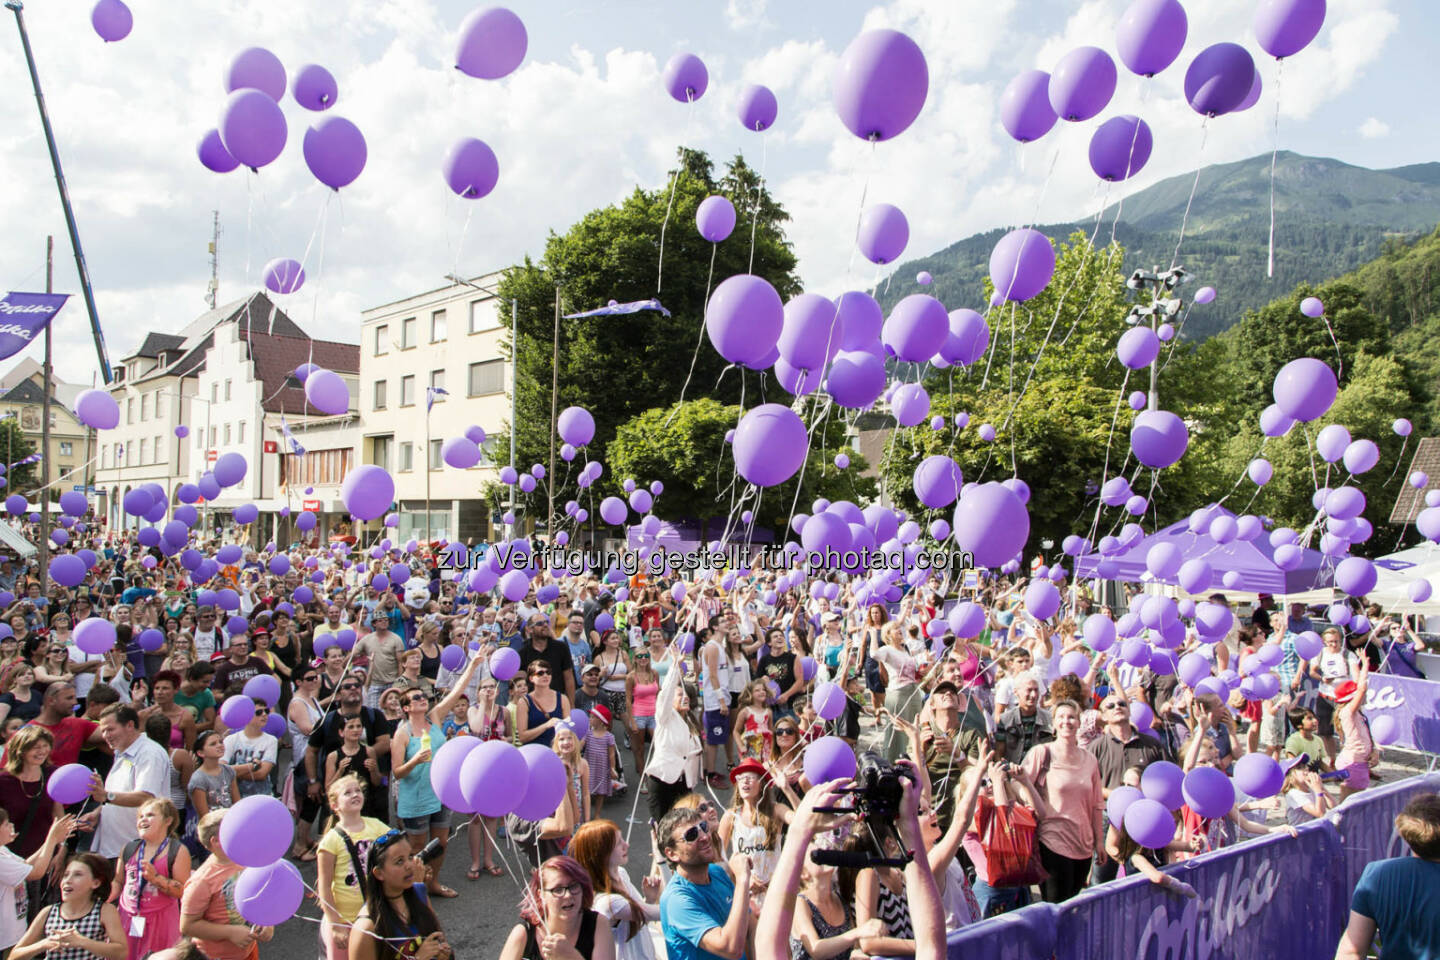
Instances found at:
x=602 y=712
x=750 y=766
x=1345 y=692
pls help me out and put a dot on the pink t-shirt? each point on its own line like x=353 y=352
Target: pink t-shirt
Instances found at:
x=1073 y=792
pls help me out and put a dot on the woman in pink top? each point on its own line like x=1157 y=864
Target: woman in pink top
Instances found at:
x=641 y=686
x=1072 y=827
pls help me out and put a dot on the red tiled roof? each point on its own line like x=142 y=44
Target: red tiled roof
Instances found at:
x=276 y=358
x=1410 y=501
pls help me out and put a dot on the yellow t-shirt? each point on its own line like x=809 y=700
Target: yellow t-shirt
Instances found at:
x=348 y=890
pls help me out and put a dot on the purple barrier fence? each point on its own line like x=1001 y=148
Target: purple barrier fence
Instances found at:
x=1268 y=899
x=1367 y=824
x=1023 y=935
x=1415 y=705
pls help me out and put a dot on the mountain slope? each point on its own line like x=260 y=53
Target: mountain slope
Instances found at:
x=1330 y=217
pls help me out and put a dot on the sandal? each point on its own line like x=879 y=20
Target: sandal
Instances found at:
x=309 y=855
x=473 y=873
x=444 y=892
x=495 y=871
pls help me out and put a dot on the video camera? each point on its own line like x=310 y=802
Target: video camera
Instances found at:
x=876 y=804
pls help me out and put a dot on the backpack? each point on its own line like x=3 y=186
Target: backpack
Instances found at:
x=172 y=850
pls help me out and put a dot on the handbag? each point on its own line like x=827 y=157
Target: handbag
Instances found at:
x=1007 y=835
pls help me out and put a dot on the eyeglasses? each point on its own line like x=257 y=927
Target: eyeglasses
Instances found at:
x=309 y=678
x=704 y=806
x=350 y=686
x=539 y=673
x=419 y=698
x=786 y=731
x=559 y=893
x=700 y=828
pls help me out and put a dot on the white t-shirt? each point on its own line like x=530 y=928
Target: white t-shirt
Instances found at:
x=84 y=681
x=717 y=690
x=241 y=750
x=143 y=767
x=1295 y=802
x=1334 y=667
x=207 y=644
x=647 y=944
x=13 y=901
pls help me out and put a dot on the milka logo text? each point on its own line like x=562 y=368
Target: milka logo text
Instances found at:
x=1238 y=898
x=6 y=307
x=15 y=330
x=1384 y=698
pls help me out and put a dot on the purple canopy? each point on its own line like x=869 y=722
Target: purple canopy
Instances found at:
x=1253 y=560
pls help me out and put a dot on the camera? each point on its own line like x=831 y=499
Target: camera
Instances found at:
x=430 y=851
x=876 y=803
x=878 y=787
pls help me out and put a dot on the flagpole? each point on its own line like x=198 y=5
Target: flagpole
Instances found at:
x=45 y=430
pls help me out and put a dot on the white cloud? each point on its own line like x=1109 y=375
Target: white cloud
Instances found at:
x=742 y=14
x=1374 y=128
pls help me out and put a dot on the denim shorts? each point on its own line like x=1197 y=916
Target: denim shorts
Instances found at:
x=645 y=723
x=426 y=822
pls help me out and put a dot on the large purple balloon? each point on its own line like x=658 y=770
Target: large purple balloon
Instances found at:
x=470 y=168
x=744 y=319
x=492 y=44
x=327 y=392
x=686 y=78
x=1082 y=83
x=829 y=758
x=283 y=275
x=880 y=84
x=916 y=328
x=1150 y=35
x=1285 y=27
x=367 y=491
x=1025 y=109
x=1022 y=264
x=856 y=379
x=256 y=831
x=860 y=320
x=70 y=783
x=757 y=107
x=937 y=481
x=1219 y=79
x=715 y=218
x=968 y=339
x=334 y=151
x=68 y=570
x=576 y=426
x=1305 y=388
x=1149 y=824
x=991 y=523
x=258 y=69
x=252 y=127
x=1258 y=775
x=230 y=469
x=1253 y=97
x=97 y=409
x=770 y=445
x=492 y=776
x=883 y=233
x=314 y=87
x=212 y=153
x=811 y=334
x=910 y=404
x=1138 y=347
x=1158 y=438
x=1208 y=791
x=112 y=20
x=545 y=782
x=1120 y=148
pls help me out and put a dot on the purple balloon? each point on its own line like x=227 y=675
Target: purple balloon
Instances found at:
x=917 y=328
x=880 y=84
x=861 y=320
x=744 y=319
x=1312 y=307
x=1025 y=109
x=810 y=336
x=856 y=379
x=715 y=218
x=1219 y=79
x=757 y=107
x=1082 y=83
x=770 y=445
x=686 y=78
x=576 y=426
x=96 y=408
x=258 y=69
x=334 y=151
x=213 y=155
x=545 y=782
x=910 y=404
x=1158 y=438
x=70 y=783
x=1285 y=27
x=1149 y=823
x=1208 y=792
x=1161 y=781
x=492 y=778
x=1138 y=348
x=990 y=522
x=883 y=233
x=1274 y=422
x=1305 y=388
x=112 y=20
x=283 y=275
x=1257 y=87
x=829 y=758
x=492 y=44
x=969 y=337
x=1022 y=264
x=367 y=491
x=1205 y=295
x=327 y=392
x=314 y=87
x=1120 y=148
x=470 y=168
x=252 y=127
x=1150 y=35
x=1258 y=775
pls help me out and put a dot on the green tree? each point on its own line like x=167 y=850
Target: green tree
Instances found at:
x=619 y=367
x=14 y=446
x=684 y=447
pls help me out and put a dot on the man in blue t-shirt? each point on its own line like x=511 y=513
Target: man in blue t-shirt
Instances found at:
x=700 y=914
x=1398 y=900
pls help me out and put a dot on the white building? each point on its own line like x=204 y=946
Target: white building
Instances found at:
x=453 y=338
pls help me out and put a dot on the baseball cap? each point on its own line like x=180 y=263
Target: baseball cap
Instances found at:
x=1291 y=763
x=1345 y=692
x=601 y=712
x=590 y=667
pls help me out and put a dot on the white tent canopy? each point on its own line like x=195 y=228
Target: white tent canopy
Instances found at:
x=1398 y=571
x=13 y=540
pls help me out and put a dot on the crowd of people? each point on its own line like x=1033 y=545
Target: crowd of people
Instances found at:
x=693 y=708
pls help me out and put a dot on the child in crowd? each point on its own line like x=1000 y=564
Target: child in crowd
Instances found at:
x=83 y=924
x=16 y=872
x=208 y=910
x=251 y=753
x=1304 y=793
x=340 y=863
x=1306 y=739
x=577 y=772
x=155 y=867
x=754 y=722
x=357 y=758
x=600 y=757
x=812 y=728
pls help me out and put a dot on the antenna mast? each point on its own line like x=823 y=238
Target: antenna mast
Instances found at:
x=212 y=294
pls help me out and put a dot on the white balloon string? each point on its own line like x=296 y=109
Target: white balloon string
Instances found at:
x=674 y=183
x=759 y=192
x=1274 y=153
x=1399 y=459
x=699 y=334
x=464 y=232
x=1185 y=220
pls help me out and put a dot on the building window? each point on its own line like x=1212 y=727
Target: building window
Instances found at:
x=227 y=389
x=214 y=393
x=481 y=317
x=104 y=458
x=241 y=438
x=407 y=333
x=212 y=437
x=407 y=457
x=159 y=404
x=321 y=466
x=67 y=449
x=437 y=382
x=130 y=410
x=380 y=394
x=486 y=449
x=407 y=391
x=144 y=407
x=144 y=450
x=119 y=454
x=159 y=449
x=488 y=376
x=435 y=462
x=227 y=434
x=380 y=452
x=382 y=339
x=437 y=326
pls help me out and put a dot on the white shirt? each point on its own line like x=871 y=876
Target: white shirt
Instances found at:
x=614 y=907
x=675 y=753
x=84 y=681
x=206 y=645
x=143 y=766
x=13 y=901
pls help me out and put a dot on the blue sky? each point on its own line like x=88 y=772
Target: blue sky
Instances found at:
x=585 y=119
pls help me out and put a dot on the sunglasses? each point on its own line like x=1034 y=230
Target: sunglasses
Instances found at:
x=539 y=673
x=261 y=711
x=696 y=831
x=418 y=698
x=786 y=731
x=1112 y=705
x=349 y=686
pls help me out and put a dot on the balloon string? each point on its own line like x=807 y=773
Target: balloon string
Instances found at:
x=1339 y=360
x=1399 y=459
x=1185 y=220
x=674 y=183
x=464 y=232
x=759 y=186
x=699 y=334
x=1105 y=468
x=1129 y=172
x=1274 y=153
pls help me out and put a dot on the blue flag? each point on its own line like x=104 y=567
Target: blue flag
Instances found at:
x=23 y=315
x=615 y=309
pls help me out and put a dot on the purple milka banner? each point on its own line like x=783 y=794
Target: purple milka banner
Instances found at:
x=22 y=315
x=1274 y=898
x=1366 y=823
x=1414 y=705
x=1023 y=935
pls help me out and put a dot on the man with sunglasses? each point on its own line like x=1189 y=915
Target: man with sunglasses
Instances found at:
x=349 y=702
x=251 y=753
x=541 y=646
x=700 y=914
x=1118 y=748
x=208 y=639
